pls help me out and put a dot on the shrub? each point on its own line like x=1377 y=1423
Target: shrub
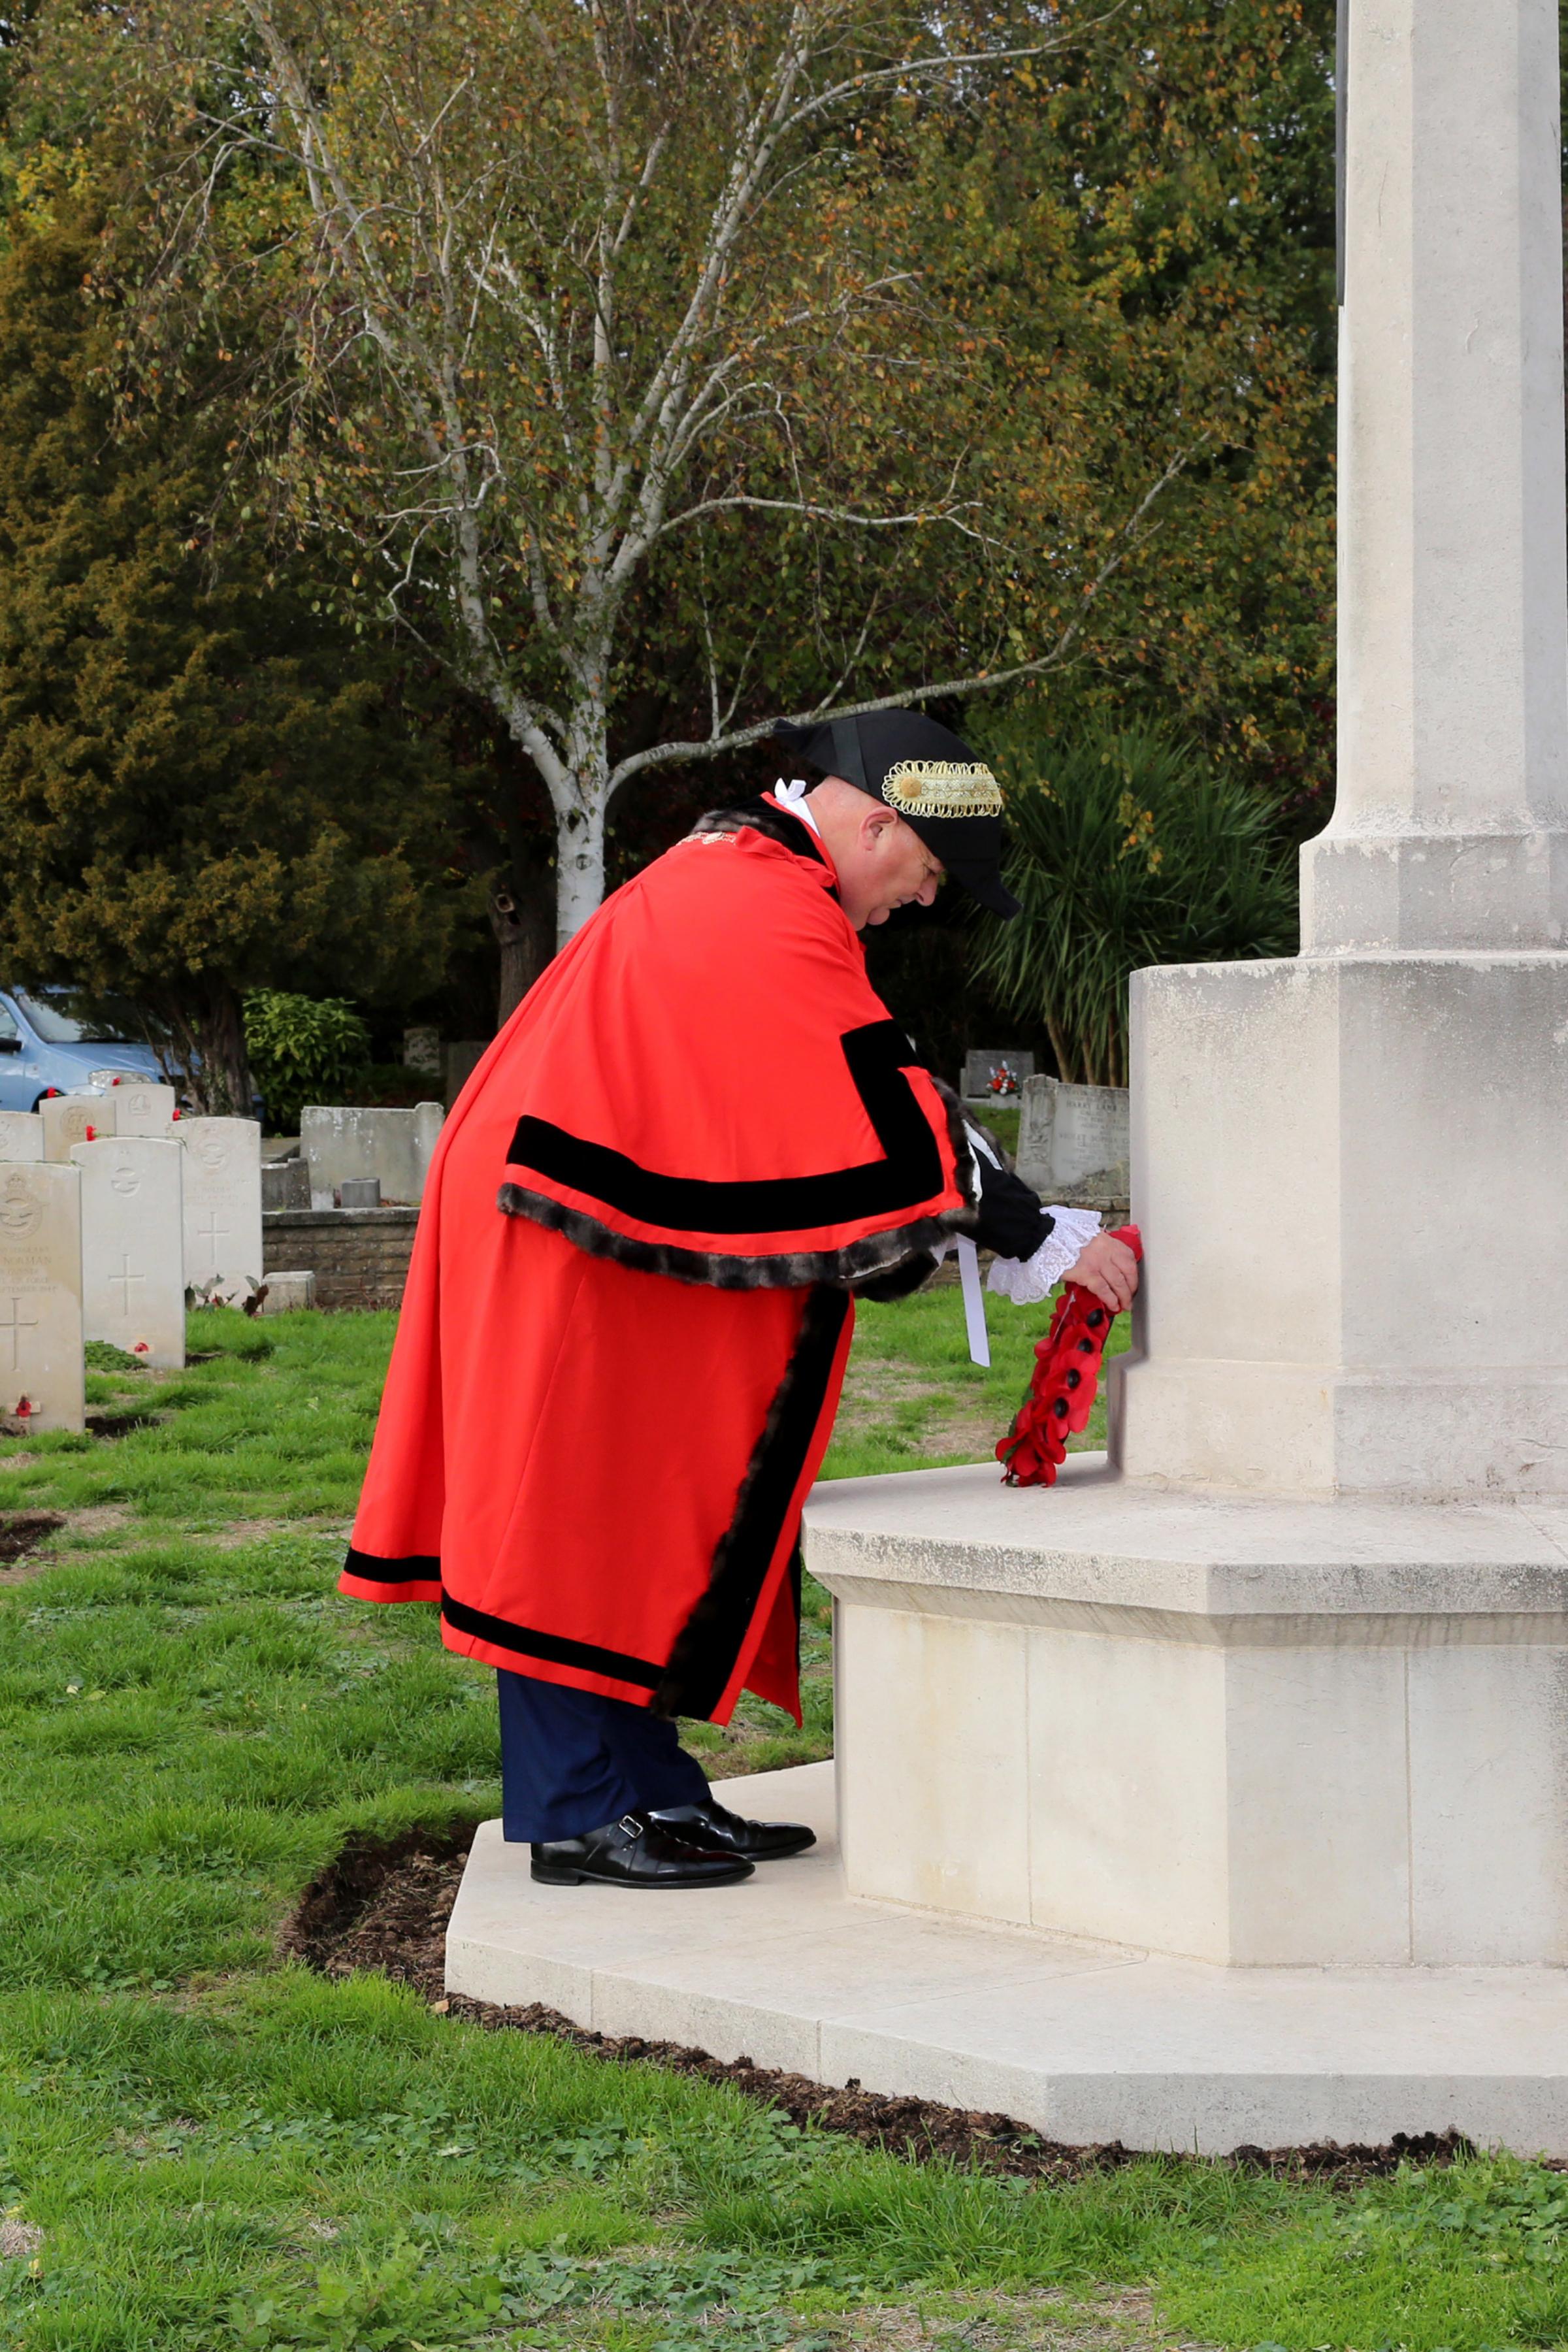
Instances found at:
x=303 y=1049
x=1126 y=849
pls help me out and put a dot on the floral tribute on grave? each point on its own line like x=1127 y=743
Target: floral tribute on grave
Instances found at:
x=1004 y=1079
x=1065 y=1382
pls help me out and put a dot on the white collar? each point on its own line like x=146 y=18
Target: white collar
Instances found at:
x=791 y=796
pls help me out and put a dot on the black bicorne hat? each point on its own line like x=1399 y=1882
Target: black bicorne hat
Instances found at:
x=930 y=777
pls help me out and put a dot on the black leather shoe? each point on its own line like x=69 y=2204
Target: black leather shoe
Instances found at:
x=718 y=1831
x=635 y=1851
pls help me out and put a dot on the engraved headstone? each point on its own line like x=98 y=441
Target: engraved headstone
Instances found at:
x=21 y=1135
x=1073 y=1139
x=133 y=1279
x=67 y=1118
x=422 y=1050
x=40 y=1295
x=143 y=1108
x=997 y=1076
x=222 y=1207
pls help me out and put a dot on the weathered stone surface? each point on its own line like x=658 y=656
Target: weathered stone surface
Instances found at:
x=223 y=1254
x=285 y=1184
x=289 y=1290
x=1073 y=1140
x=359 y=1256
x=360 y=1192
x=67 y=1118
x=346 y=1141
x=980 y=1067
x=21 y=1135
x=40 y=1294
x=133 y=1280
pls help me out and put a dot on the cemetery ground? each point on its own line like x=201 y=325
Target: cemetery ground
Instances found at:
x=205 y=2144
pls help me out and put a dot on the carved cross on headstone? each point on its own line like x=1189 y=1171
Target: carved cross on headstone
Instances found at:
x=209 y=1232
x=13 y=1323
x=123 y=1282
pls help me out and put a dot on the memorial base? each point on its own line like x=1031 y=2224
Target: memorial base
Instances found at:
x=1262 y=1733
x=1082 y=2046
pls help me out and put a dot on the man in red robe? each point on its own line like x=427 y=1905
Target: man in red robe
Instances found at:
x=632 y=1292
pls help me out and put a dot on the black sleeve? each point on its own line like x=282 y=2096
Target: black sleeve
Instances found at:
x=1010 y=1219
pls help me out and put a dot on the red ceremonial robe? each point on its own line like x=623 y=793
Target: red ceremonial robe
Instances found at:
x=629 y=1304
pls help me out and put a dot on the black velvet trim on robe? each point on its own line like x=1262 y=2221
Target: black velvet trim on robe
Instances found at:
x=706 y=1649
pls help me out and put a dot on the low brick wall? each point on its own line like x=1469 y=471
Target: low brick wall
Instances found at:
x=359 y=1256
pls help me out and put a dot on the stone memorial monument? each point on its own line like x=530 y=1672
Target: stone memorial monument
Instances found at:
x=67 y=1118
x=1219 y=1794
x=21 y=1135
x=40 y=1295
x=133 y=1280
x=222 y=1191
x=1073 y=1141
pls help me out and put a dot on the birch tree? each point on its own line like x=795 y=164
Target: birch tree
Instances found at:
x=563 y=298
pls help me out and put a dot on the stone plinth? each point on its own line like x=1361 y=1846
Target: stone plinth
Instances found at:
x=1256 y=1733
x=1081 y=2045
x=1350 y=1175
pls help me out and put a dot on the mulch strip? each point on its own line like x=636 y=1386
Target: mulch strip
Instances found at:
x=384 y=1904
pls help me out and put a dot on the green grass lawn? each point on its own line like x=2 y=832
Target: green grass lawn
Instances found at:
x=202 y=2146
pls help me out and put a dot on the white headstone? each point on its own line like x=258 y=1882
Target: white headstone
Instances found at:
x=67 y=1118
x=134 y=1276
x=143 y=1108
x=21 y=1135
x=40 y=1295
x=222 y=1207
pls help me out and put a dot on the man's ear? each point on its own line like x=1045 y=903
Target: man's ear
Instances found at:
x=876 y=820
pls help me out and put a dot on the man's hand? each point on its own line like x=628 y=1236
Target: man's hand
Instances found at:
x=1108 y=1268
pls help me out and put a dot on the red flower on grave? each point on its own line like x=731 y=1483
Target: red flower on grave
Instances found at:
x=24 y=1409
x=140 y=1347
x=89 y=1134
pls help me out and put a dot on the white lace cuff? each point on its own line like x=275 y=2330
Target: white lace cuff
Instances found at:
x=1025 y=1281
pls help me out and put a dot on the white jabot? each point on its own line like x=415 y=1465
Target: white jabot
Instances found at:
x=791 y=796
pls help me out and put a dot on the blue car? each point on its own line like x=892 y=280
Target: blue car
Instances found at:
x=52 y=1040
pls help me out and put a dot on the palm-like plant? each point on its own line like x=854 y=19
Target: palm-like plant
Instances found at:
x=1127 y=849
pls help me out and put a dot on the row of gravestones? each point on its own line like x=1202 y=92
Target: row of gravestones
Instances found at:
x=112 y=1208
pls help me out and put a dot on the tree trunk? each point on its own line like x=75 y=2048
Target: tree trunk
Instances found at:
x=523 y=920
x=220 y=1084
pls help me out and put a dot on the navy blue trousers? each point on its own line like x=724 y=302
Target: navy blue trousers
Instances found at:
x=570 y=1761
